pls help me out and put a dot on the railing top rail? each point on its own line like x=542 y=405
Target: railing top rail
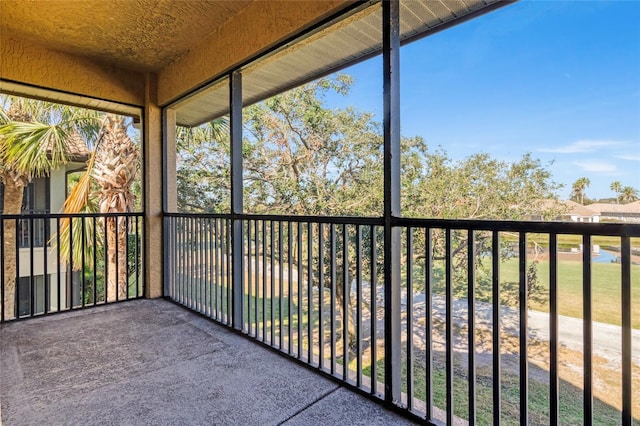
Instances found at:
x=66 y=215
x=200 y=215
x=582 y=228
x=349 y=220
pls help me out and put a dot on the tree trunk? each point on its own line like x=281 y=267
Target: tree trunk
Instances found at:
x=116 y=259
x=347 y=317
x=13 y=193
x=116 y=165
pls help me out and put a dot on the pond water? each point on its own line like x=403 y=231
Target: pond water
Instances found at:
x=604 y=257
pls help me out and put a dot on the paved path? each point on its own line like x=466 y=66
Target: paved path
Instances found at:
x=607 y=338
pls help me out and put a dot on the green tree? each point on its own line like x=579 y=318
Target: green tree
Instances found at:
x=303 y=158
x=479 y=187
x=204 y=189
x=629 y=194
x=578 y=189
x=616 y=187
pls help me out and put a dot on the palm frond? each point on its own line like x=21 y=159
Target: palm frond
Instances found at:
x=76 y=240
x=76 y=202
x=32 y=148
x=4 y=118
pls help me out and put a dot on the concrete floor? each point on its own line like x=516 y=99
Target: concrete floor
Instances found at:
x=152 y=362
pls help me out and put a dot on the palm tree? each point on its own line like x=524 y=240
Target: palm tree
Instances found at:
x=616 y=187
x=195 y=145
x=34 y=140
x=114 y=170
x=109 y=177
x=30 y=146
x=578 y=188
x=629 y=194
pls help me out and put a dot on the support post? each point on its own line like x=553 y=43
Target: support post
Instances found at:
x=169 y=181
x=153 y=200
x=169 y=190
x=237 y=238
x=391 y=86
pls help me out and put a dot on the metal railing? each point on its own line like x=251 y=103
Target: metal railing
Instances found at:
x=486 y=334
x=75 y=261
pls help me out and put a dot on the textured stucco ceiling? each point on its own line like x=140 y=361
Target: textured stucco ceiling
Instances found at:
x=142 y=35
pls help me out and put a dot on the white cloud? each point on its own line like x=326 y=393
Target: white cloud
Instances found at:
x=630 y=157
x=582 y=146
x=596 y=166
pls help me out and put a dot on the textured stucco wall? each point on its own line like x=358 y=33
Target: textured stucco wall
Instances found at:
x=256 y=28
x=32 y=64
x=153 y=237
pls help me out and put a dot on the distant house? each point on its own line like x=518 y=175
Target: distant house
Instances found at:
x=579 y=213
x=617 y=212
x=564 y=211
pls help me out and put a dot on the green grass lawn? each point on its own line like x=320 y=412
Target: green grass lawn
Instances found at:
x=570 y=396
x=606 y=289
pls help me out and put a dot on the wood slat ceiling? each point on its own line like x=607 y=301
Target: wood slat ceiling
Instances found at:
x=328 y=49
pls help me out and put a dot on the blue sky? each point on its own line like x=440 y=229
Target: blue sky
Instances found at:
x=558 y=79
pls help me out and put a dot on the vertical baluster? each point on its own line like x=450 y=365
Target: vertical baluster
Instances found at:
x=359 y=305
x=524 y=331
x=94 y=260
x=471 y=315
x=217 y=277
x=82 y=261
x=212 y=267
x=374 y=309
x=300 y=298
x=553 y=329
x=249 y=285
x=197 y=270
x=280 y=287
x=45 y=264
x=449 y=325
x=428 y=323
x=332 y=260
x=2 y=254
x=126 y=254
x=256 y=277
x=137 y=256
x=587 y=329
x=290 y=283
x=321 y=293
x=69 y=266
x=264 y=281
x=309 y=294
x=59 y=272
x=32 y=277
x=409 y=318
x=228 y=258
x=346 y=293
x=495 y=296
x=117 y=249
x=627 y=382
x=272 y=245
